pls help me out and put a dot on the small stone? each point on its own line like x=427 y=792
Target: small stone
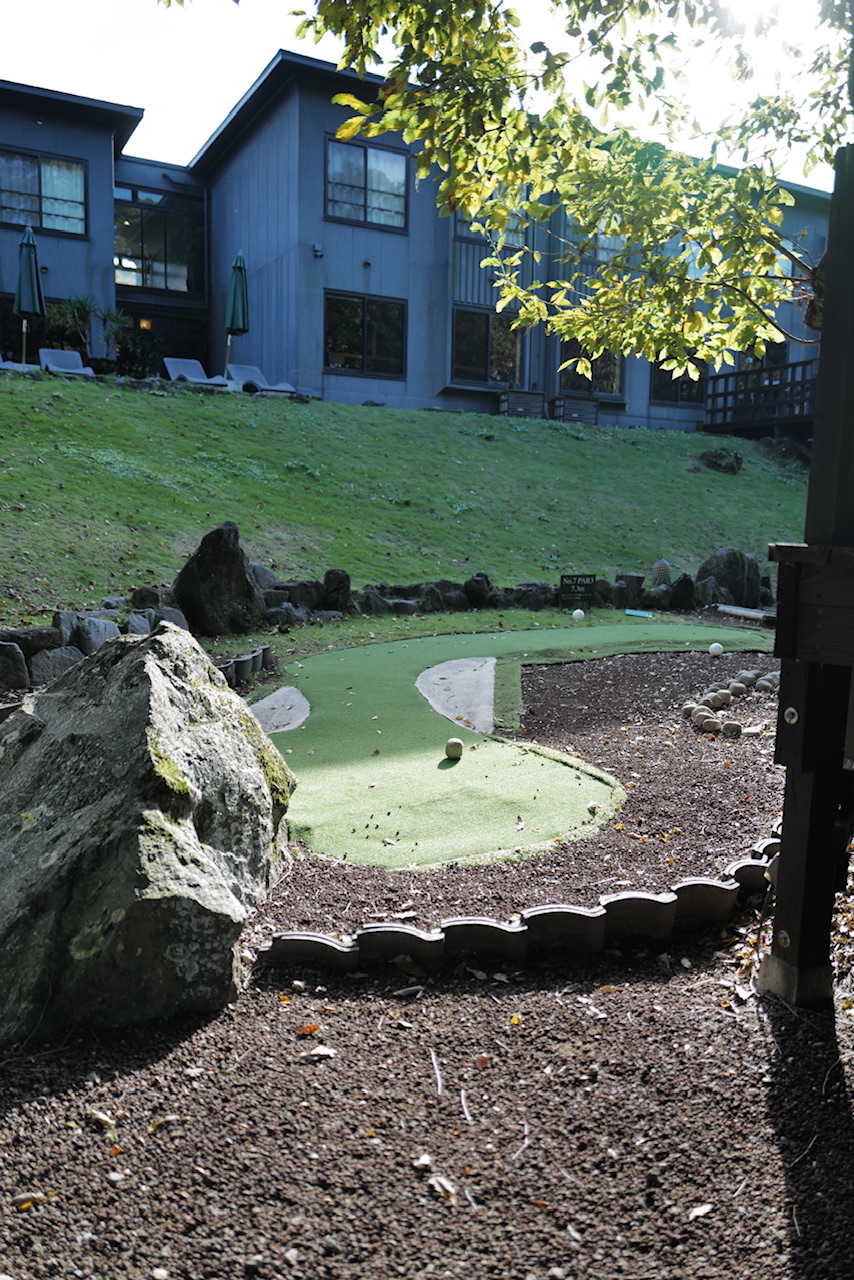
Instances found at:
x=688 y=709
x=737 y=688
x=731 y=729
x=712 y=725
x=454 y=748
x=115 y=1177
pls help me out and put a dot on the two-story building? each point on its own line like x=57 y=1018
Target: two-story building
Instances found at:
x=358 y=289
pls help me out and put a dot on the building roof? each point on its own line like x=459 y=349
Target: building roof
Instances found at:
x=121 y=121
x=285 y=69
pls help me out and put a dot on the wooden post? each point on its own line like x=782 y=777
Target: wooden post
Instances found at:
x=815 y=640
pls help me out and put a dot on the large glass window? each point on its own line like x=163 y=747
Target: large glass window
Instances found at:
x=43 y=192
x=365 y=184
x=365 y=335
x=486 y=348
x=159 y=240
x=607 y=371
x=681 y=390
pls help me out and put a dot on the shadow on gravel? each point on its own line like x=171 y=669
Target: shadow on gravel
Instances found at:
x=810 y=1109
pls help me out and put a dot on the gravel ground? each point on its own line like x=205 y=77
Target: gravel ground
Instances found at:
x=636 y=1114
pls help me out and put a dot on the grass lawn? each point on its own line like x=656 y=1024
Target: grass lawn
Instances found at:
x=104 y=488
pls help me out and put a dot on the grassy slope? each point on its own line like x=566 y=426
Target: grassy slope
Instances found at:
x=103 y=489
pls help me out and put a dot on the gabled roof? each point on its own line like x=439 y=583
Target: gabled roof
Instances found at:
x=121 y=121
x=285 y=69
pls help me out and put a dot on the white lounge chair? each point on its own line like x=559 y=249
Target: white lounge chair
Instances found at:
x=191 y=371
x=250 y=377
x=56 y=361
x=10 y=366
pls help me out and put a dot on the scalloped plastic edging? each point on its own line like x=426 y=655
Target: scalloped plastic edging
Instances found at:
x=562 y=927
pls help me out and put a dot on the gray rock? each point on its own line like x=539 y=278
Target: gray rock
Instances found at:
x=621 y=597
x=456 y=600
x=682 y=594
x=31 y=640
x=135 y=624
x=166 y=613
x=114 y=602
x=736 y=572
x=706 y=592
x=431 y=599
x=479 y=590
x=285 y=615
x=305 y=593
x=92 y=633
x=262 y=575
x=65 y=621
x=13 y=667
x=50 y=664
x=274 y=596
x=404 y=608
x=603 y=589
x=327 y=615
x=215 y=590
x=530 y=597
x=725 y=460
x=139 y=823
x=659 y=597
x=146 y=598
x=374 y=602
x=336 y=590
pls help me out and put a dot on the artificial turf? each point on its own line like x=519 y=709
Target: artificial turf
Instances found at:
x=376 y=787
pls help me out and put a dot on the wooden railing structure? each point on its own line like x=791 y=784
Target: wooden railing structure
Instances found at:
x=777 y=402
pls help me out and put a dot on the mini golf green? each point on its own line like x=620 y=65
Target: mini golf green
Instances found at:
x=376 y=787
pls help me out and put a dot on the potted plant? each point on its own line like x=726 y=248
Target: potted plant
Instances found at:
x=116 y=327
x=79 y=310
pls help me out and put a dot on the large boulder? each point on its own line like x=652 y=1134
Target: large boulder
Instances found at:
x=139 y=823
x=216 y=589
x=736 y=572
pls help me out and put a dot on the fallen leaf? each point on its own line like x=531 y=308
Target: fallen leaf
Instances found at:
x=160 y=1121
x=699 y=1211
x=310 y=1029
x=443 y=1187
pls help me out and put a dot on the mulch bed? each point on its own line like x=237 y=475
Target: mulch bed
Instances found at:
x=638 y=1114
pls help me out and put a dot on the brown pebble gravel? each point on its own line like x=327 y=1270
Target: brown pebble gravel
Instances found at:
x=640 y=1114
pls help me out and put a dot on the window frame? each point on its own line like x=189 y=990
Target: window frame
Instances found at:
x=365 y=299
x=590 y=391
x=364 y=148
x=42 y=157
x=491 y=315
x=677 y=401
x=132 y=196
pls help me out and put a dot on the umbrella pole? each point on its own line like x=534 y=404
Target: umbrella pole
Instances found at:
x=24 y=341
x=227 y=355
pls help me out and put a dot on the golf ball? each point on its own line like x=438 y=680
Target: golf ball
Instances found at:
x=454 y=748
x=578 y=615
x=716 y=649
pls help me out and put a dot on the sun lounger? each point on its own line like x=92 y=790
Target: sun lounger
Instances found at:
x=10 y=366
x=191 y=371
x=250 y=377
x=55 y=361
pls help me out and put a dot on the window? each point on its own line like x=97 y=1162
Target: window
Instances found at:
x=42 y=191
x=607 y=371
x=159 y=240
x=486 y=348
x=365 y=335
x=682 y=390
x=365 y=184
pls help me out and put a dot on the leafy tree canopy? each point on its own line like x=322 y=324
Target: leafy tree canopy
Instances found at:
x=644 y=250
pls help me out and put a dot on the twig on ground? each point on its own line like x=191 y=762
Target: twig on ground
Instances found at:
x=465 y=1106
x=526 y=1143
x=805 y=1152
x=436 y=1068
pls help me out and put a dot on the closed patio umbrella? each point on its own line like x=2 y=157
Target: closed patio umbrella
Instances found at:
x=237 y=306
x=29 y=301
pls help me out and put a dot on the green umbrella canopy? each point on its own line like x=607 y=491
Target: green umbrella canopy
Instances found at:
x=28 y=295
x=237 y=307
x=29 y=301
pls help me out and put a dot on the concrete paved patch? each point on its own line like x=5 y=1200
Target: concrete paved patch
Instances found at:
x=462 y=690
x=286 y=708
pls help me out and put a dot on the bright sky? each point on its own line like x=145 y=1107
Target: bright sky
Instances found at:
x=187 y=67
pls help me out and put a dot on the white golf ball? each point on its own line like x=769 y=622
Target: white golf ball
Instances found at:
x=578 y=615
x=454 y=748
x=716 y=649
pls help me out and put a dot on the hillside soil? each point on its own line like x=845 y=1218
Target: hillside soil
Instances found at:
x=639 y=1114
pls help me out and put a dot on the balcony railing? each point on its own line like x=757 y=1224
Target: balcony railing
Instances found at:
x=763 y=401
